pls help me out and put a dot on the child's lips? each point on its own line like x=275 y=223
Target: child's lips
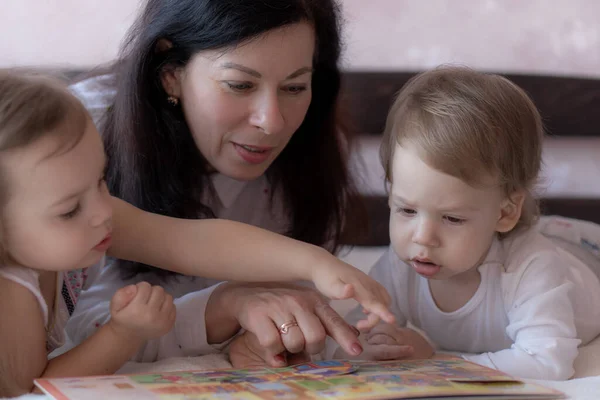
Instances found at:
x=104 y=244
x=425 y=267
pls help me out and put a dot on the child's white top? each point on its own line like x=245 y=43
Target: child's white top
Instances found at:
x=536 y=303
x=68 y=285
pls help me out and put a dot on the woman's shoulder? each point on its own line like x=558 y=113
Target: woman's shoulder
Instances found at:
x=96 y=93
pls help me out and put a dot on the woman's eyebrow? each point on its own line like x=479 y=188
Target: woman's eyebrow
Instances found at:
x=256 y=74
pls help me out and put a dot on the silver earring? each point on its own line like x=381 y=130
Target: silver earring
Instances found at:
x=173 y=100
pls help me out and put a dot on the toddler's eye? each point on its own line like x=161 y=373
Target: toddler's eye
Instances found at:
x=71 y=214
x=455 y=220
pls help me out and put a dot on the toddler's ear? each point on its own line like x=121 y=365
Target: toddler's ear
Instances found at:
x=510 y=212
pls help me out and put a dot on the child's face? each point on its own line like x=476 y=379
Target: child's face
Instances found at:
x=58 y=211
x=439 y=225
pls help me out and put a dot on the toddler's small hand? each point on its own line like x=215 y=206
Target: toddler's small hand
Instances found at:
x=142 y=310
x=379 y=351
x=388 y=334
x=122 y=298
x=339 y=280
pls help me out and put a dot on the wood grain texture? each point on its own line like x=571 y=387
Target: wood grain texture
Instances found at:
x=569 y=106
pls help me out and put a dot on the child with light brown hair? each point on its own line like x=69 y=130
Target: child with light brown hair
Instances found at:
x=470 y=265
x=57 y=218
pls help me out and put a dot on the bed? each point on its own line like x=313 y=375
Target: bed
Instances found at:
x=570 y=186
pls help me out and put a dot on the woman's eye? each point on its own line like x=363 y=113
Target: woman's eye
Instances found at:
x=71 y=214
x=239 y=86
x=296 y=89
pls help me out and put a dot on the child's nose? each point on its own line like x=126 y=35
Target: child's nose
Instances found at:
x=103 y=212
x=425 y=234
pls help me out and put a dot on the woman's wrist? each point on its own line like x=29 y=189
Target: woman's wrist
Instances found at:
x=219 y=316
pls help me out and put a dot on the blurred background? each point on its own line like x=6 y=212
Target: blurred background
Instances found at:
x=559 y=37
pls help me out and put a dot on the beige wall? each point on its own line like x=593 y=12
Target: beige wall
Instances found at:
x=558 y=36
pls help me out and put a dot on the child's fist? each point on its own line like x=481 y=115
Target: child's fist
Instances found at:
x=142 y=310
x=391 y=335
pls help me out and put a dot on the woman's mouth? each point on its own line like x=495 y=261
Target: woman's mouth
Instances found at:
x=253 y=154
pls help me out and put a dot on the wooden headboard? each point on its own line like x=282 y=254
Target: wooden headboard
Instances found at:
x=569 y=107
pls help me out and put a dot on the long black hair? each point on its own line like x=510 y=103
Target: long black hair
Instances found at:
x=153 y=161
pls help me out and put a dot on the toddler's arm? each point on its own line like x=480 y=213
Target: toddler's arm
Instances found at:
x=22 y=339
x=187 y=338
x=137 y=315
x=541 y=324
x=222 y=249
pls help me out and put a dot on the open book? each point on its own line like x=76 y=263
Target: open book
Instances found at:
x=441 y=378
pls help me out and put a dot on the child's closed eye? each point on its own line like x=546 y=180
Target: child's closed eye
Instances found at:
x=72 y=213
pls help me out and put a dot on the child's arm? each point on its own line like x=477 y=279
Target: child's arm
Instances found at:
x=138 y=313
x=541 y=323
x=222 y=249
x=23 y=355
x=22 y=339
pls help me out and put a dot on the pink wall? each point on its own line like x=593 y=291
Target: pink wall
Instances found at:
x=559 y=36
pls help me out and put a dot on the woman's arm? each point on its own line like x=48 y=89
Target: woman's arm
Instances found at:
x=222 y=249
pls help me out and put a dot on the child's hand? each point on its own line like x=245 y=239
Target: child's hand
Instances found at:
x=391 y=335
x=381 y=350
x=338 y=280
x=144 y=311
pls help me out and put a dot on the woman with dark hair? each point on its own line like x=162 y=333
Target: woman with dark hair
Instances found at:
x=227 y=109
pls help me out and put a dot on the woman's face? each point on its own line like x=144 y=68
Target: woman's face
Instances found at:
x=244 y=104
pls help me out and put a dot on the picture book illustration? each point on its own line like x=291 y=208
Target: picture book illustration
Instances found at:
x=439 y=378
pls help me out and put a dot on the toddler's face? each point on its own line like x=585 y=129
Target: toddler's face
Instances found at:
x=58 y=211
x=440 y=225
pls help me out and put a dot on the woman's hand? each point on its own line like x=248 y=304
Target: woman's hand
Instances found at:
x=246 y=352
x=263 y=309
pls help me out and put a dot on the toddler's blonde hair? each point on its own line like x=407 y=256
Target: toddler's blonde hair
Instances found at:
x=469 y=125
